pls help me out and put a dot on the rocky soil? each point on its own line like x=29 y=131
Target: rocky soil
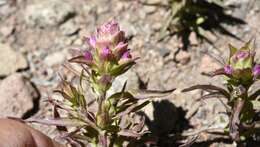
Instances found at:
x=35 y=38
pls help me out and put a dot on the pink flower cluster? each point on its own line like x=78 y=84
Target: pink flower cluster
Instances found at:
x=108 y=43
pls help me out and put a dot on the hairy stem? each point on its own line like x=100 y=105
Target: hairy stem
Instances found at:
x=235 y=119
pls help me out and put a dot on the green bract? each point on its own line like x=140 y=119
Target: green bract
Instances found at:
x=241 y=63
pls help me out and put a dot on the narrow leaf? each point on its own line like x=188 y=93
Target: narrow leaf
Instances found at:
x=247 y=45
x=211 y=95
x=64 y=95
x=207 y=88
x=232 y=50
x=121 y=95
x=132 y=108
x=147 y=94
x=122 y=68
x=220 y=71
x=57 y=121
x=57 y=115
x=129 y=133
x=79 y=59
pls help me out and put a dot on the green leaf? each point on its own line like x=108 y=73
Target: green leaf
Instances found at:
x=246 y=46
x=129 y=133
x=132 y=108
x=121 y=95
x=120 y=69
x=208 y=88
x=64 y=95
x=219 y=71
x=79 y=59
x=58 y=121
x=139 y=107
x=232 y=50
x=248 y=112
x=81 y=78
x=148 y=94
x=82 y=101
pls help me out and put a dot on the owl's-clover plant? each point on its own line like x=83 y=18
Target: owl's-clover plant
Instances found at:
x=240 y=73
x=110 y=123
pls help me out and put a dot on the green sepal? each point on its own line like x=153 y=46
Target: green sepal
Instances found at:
x=121 y=68
x=232 y=51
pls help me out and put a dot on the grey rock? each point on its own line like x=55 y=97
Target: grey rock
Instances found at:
x=48 y=13
x=164 y=52
x=149 y=9
x=10 y=61
x=69 y=28
x=208 y=64
x=129 y=28
x=132 y=82
x=16 y=96
x=54 y=59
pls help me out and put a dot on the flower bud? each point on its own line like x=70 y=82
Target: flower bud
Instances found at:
x=228 y=70
x=118 y=37
x=109 y=35
x=105 y=54
x=91 y=41
x=126 y=55
x=242 y=59
x=108 y=28
x=256 y=71
x=242 y=55
x=88 y=56
x=120 y=49
x=241 y=62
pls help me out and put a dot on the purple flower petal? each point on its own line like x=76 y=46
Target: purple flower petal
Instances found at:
x=121 y=48
x=92 y=41
x=121 y=45
x=118 y=37
x=108 y=28
x=88 y=56
x=108 y=34
x=127 y=55
x=105 y=53
x=228 y=69
x=242 y=54
x=256 y=70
